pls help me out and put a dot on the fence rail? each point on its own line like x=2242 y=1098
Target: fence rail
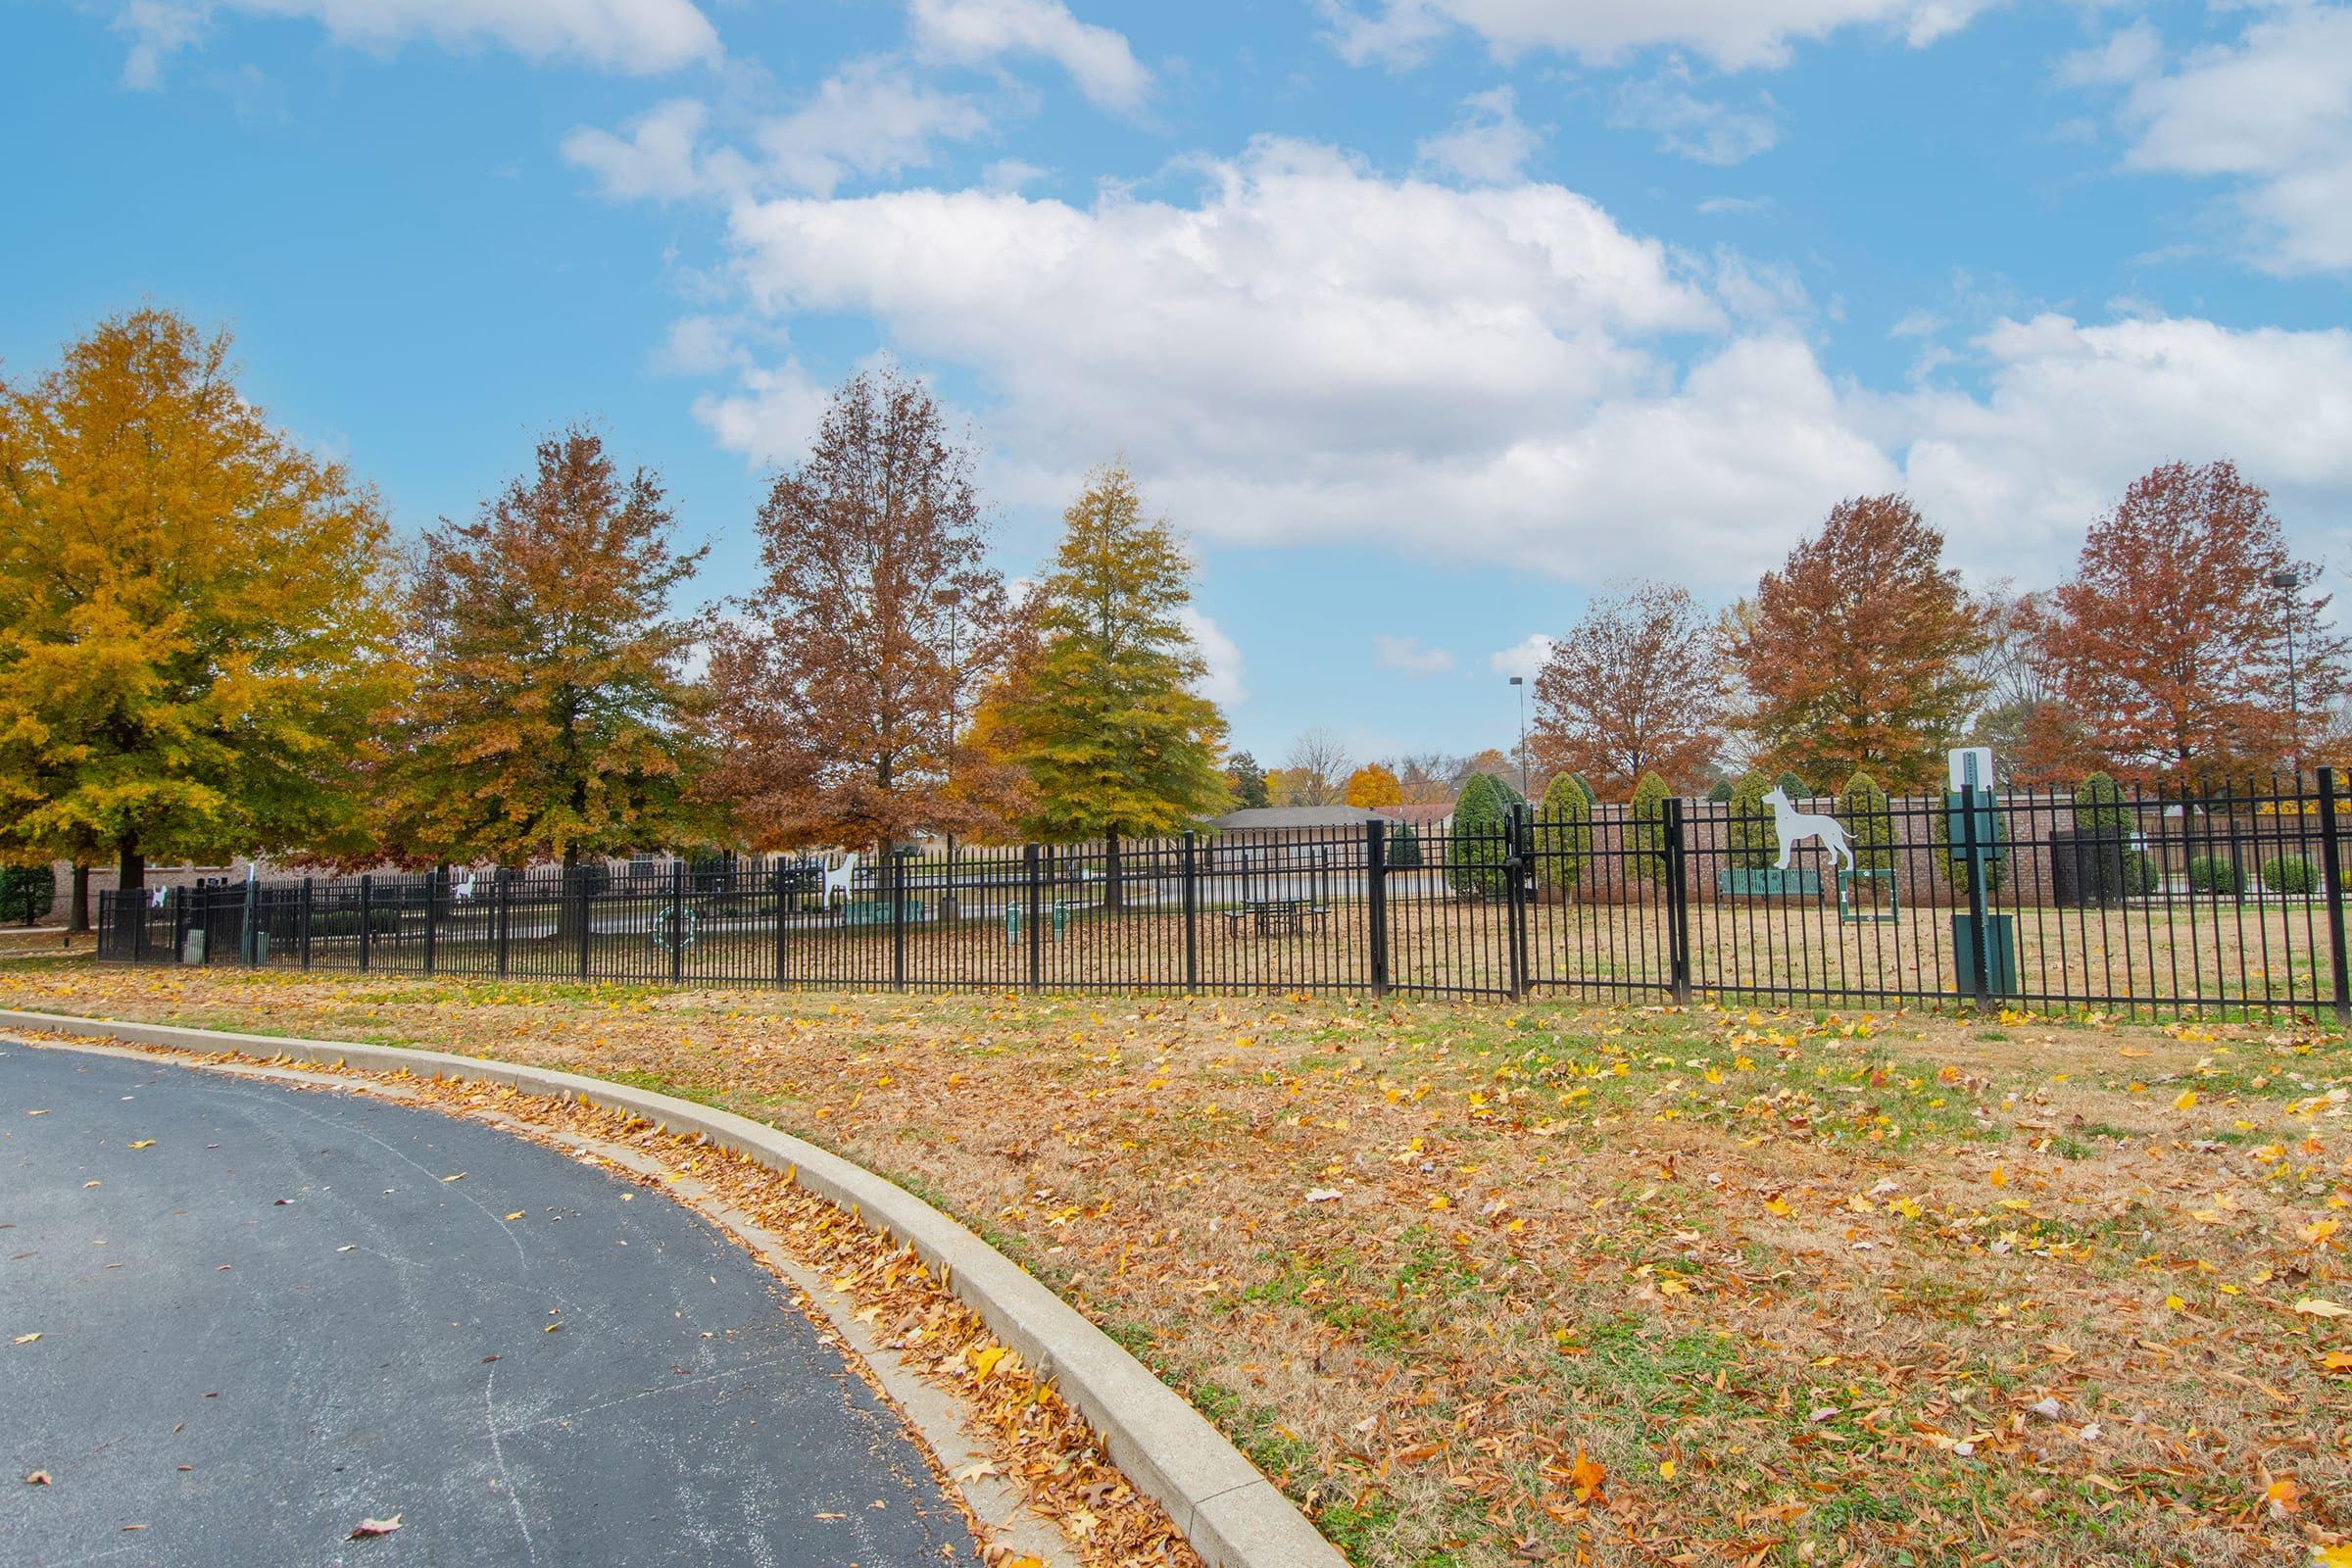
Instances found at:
x=2152 y=902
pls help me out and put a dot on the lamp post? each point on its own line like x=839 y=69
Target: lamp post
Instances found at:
x=2287 y=583
x=948 y=599
x=1520 y=682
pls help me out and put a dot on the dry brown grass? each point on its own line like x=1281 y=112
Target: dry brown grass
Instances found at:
x=1798 y=1285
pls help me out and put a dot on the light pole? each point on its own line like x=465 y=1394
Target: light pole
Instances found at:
x=948 y=599
x=2287 y=583
x=1520 y=682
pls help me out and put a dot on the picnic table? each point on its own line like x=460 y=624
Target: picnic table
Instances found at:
x=1276 y=916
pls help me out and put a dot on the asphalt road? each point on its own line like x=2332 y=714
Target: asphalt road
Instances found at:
x=268 y=1314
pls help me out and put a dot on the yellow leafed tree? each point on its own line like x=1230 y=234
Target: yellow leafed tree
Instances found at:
x=193 y=621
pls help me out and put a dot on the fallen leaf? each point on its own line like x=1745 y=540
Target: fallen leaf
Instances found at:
x=374 y=1527
x=26 y=1339
x=1585 y=1476
x=517 y=1214
x=458 y=1177
x=39 y=1478
x=144 y=1143
x=2187 y=1101
x=2313 y=1306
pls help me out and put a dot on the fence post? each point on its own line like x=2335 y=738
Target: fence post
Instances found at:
x=677 y=921
x=1036 y=911
x=1192 y=913
x=1112 y=898
x=898 y=919
x=1514 y=826
x=2331 y=878
x=366 y=917
x=782 y=881
x=433 y=915
x=1376 y=902
x=585 y=913
x=306 y=922
x=1973 y=862
x=1678 y=905
x=498 y=917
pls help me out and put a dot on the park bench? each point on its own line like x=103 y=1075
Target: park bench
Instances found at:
x=1276 y=916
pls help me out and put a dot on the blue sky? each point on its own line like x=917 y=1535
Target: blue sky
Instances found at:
x=1423 y=317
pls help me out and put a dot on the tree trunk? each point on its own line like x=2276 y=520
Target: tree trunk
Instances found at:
x=130 y=890
x=77 y=909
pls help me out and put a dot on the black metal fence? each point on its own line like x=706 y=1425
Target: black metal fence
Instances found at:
x=2149 y=903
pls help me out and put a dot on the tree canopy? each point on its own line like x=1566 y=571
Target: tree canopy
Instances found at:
x=1636 y=685
x=1860 y=652
x=550 y=717
x=841 y=685
x=193 y=612
x=1110 y=726
x=1373 y=785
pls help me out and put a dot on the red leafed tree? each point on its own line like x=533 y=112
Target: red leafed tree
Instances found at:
x=1636 y=687
x=1860 y=653
x=844 y=687
x=2169 y=646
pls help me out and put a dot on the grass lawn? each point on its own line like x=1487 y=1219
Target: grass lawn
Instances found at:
x=1488 y=1284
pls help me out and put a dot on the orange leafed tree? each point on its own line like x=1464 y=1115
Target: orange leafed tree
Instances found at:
x=1635 y=687
x=843 y=688
x=2169 y=646
x=550 y=717
x=1374 y=785
x=1859 y=654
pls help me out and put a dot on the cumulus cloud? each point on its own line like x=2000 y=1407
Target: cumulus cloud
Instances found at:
x=1224 y=683
x=1734 y=34
x=1525 y=658
x=1487 y=146
x=869 y=119
x=2129 y=53
x=974 y=33
x=640 y=36
x=1406 y=654
x=2272 y=112
x=1705 y=130
x=1304 y=351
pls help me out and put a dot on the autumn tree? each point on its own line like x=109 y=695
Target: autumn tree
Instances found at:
x=1317 y=767
x=2167 y=646
x=550 y=717
x=1111 y=728
x=1373 y=785
x=841 y=685
x=1860 y=653
x=194 y=617
x=2016 y=706
x=1247 y=781
x=1426 y=778
x=1636 y=685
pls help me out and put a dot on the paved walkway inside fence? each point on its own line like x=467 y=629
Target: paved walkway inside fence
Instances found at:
x=266 y=1314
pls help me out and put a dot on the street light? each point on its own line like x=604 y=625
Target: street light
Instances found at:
x=948 y=599
x=2287 y=583
x=1520 y=682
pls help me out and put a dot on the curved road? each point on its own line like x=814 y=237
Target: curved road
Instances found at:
x=268 y=1314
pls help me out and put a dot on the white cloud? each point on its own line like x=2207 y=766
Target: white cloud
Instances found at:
x=1487 y=144
x=2273 y=112
x=1524 y=657
x=1308 y=353
x=2129 y=53
x=1733 y=34
x=973 y=32
x=1734 y=206
x=640 y=36
x=698 y=345
x=869 y=119
x=1699 y=128
x=1407 y=654
x=1223 y=684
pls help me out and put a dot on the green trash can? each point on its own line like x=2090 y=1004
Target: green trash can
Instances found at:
x=1999 y=952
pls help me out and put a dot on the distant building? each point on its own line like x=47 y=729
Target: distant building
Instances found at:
x=1429 y=819
x=1291 y=818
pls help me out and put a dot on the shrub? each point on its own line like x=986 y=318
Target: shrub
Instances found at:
x=1405 y=847
x=2290 y=873
x=1753 y=847
x=2215 y=873
x=1862 y=806
x=1720 y=792
x=27 y=892
x=1564 y=833
x=1796 y=788
x=346 y=922
x=2139 y=875
x=2099 y=807
x=1649 y=858
x=1476 y=854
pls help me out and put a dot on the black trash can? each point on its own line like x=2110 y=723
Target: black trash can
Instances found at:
x=2086 y=868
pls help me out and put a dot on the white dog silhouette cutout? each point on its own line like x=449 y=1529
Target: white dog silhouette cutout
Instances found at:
x=837 y=879
x=1793 y=827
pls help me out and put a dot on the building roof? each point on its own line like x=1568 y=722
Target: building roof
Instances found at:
x=1419 y=815
x=1256 y=818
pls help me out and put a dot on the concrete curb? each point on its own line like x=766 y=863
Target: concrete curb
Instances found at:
x=1233 y=1516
